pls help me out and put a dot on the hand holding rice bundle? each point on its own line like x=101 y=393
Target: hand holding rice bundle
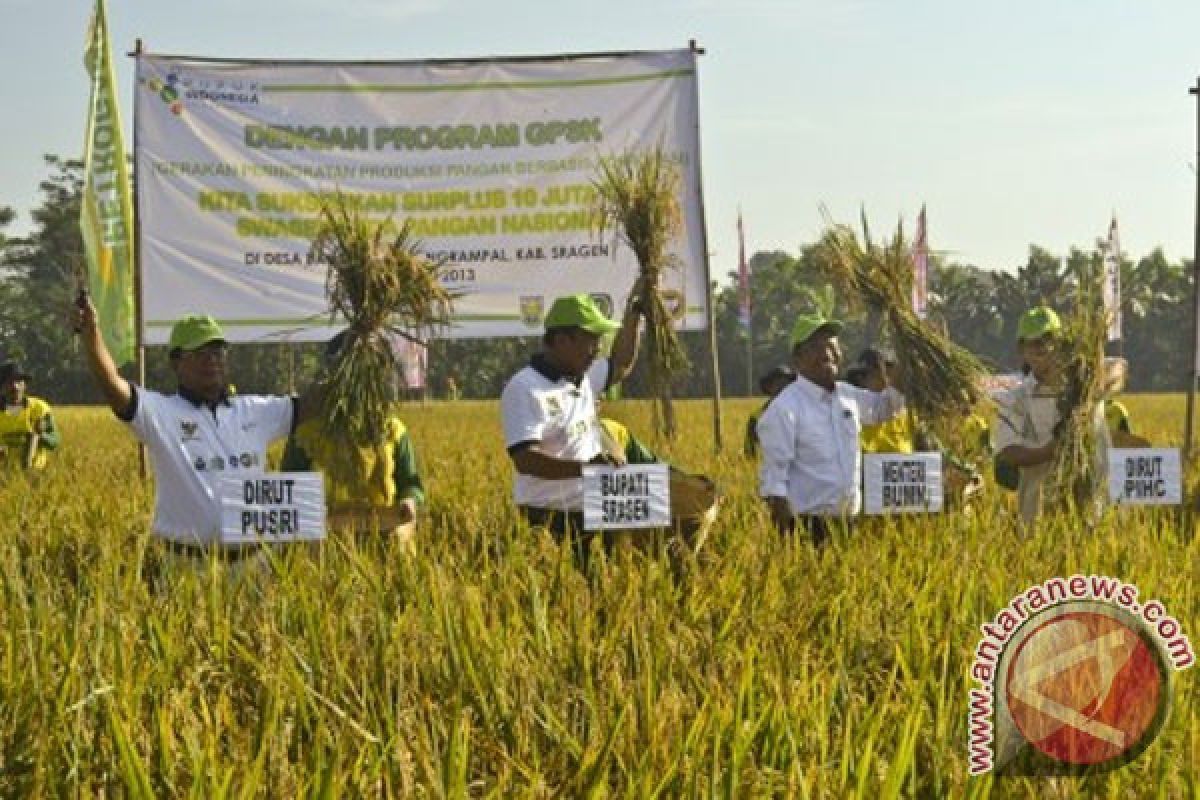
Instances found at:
x=941 y=381
x=637 y=196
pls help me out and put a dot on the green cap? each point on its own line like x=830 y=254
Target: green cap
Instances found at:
x=808 y=324
x=579 y=311
x=1037 y=322
x=195 y=331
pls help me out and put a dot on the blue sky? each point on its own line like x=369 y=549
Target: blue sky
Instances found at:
x=1015 y=123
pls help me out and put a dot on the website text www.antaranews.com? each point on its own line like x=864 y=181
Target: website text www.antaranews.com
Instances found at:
x=1032 y=602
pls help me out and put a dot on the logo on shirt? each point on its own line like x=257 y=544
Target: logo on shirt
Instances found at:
x=532 y=309
x=188 y=428
x=552 y=405
x=199 y=464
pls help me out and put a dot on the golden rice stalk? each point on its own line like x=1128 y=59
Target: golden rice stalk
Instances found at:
x=637 y=196
x=941 y=379
x=1077 y=481
x=380 y=283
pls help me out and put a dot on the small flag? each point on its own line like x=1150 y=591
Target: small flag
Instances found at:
x=106 y=210
x=920 y=257
x=1112 y=282
x=744 y=307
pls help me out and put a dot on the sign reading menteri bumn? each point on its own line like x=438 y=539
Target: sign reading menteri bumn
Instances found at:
x=902 y=483
x=1145 y=476
x=491 y=161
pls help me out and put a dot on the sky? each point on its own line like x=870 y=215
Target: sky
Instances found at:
x=1014 y=123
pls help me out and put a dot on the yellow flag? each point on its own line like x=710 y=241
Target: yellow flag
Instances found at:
x=106 y=210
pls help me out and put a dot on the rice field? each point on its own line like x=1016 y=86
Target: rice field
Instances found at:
x=488 y=666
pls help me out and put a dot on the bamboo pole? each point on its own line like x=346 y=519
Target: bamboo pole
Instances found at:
x=138 y=321
x=1188 y=428
x=708 y=282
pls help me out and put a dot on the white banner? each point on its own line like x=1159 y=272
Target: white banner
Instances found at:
x=491 y=161
x=1144 y=476
x=626 y=497
x=902 y=483
x=272 y=507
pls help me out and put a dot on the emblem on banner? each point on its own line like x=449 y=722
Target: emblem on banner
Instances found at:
x=533 y=308
x=167 y=92
x=177 y=88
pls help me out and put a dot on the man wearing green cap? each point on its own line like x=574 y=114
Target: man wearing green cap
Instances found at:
x=1028 y=413
x=811 y=469
x=551 y=428
x=195 y=435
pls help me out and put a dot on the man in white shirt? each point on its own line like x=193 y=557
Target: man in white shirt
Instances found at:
x=811 y=469
x=550 y=425
x=1028 y=414
x=195 y=435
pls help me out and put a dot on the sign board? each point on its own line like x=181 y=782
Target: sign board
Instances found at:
x=626 y=497
x=272 y=507
x=902 y=483
x=491 y=161
x=1144 y=476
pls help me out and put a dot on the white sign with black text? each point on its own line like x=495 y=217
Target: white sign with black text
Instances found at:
x=270 y=507
x=626 y=497
x=902 y=483
x=1144 y=476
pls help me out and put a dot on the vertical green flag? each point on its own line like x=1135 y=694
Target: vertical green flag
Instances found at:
x=106 y=212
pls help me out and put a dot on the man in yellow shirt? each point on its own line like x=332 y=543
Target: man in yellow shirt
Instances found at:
x=895 y=435
x=27 y=429
x=770 y=384
x=389 y=498
x=900 y=434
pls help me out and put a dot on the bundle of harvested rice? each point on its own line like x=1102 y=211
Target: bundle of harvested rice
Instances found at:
x=380 y=284
x=637 y=196
x=941 y=380
x=1077 y=480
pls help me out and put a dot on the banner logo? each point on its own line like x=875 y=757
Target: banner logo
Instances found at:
x=180 y=86
x=532 y=310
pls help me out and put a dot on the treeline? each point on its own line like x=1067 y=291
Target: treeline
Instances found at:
x=978 y=307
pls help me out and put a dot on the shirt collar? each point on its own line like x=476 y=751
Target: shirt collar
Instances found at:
x=200 y=402
x=543 y=367
x=812 y=390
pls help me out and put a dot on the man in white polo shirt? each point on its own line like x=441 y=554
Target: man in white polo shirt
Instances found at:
x=550 y=424
x=195 y=435
x=811 y=470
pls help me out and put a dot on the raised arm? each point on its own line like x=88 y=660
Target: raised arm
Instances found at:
x=625 y=345
x=117 y=391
